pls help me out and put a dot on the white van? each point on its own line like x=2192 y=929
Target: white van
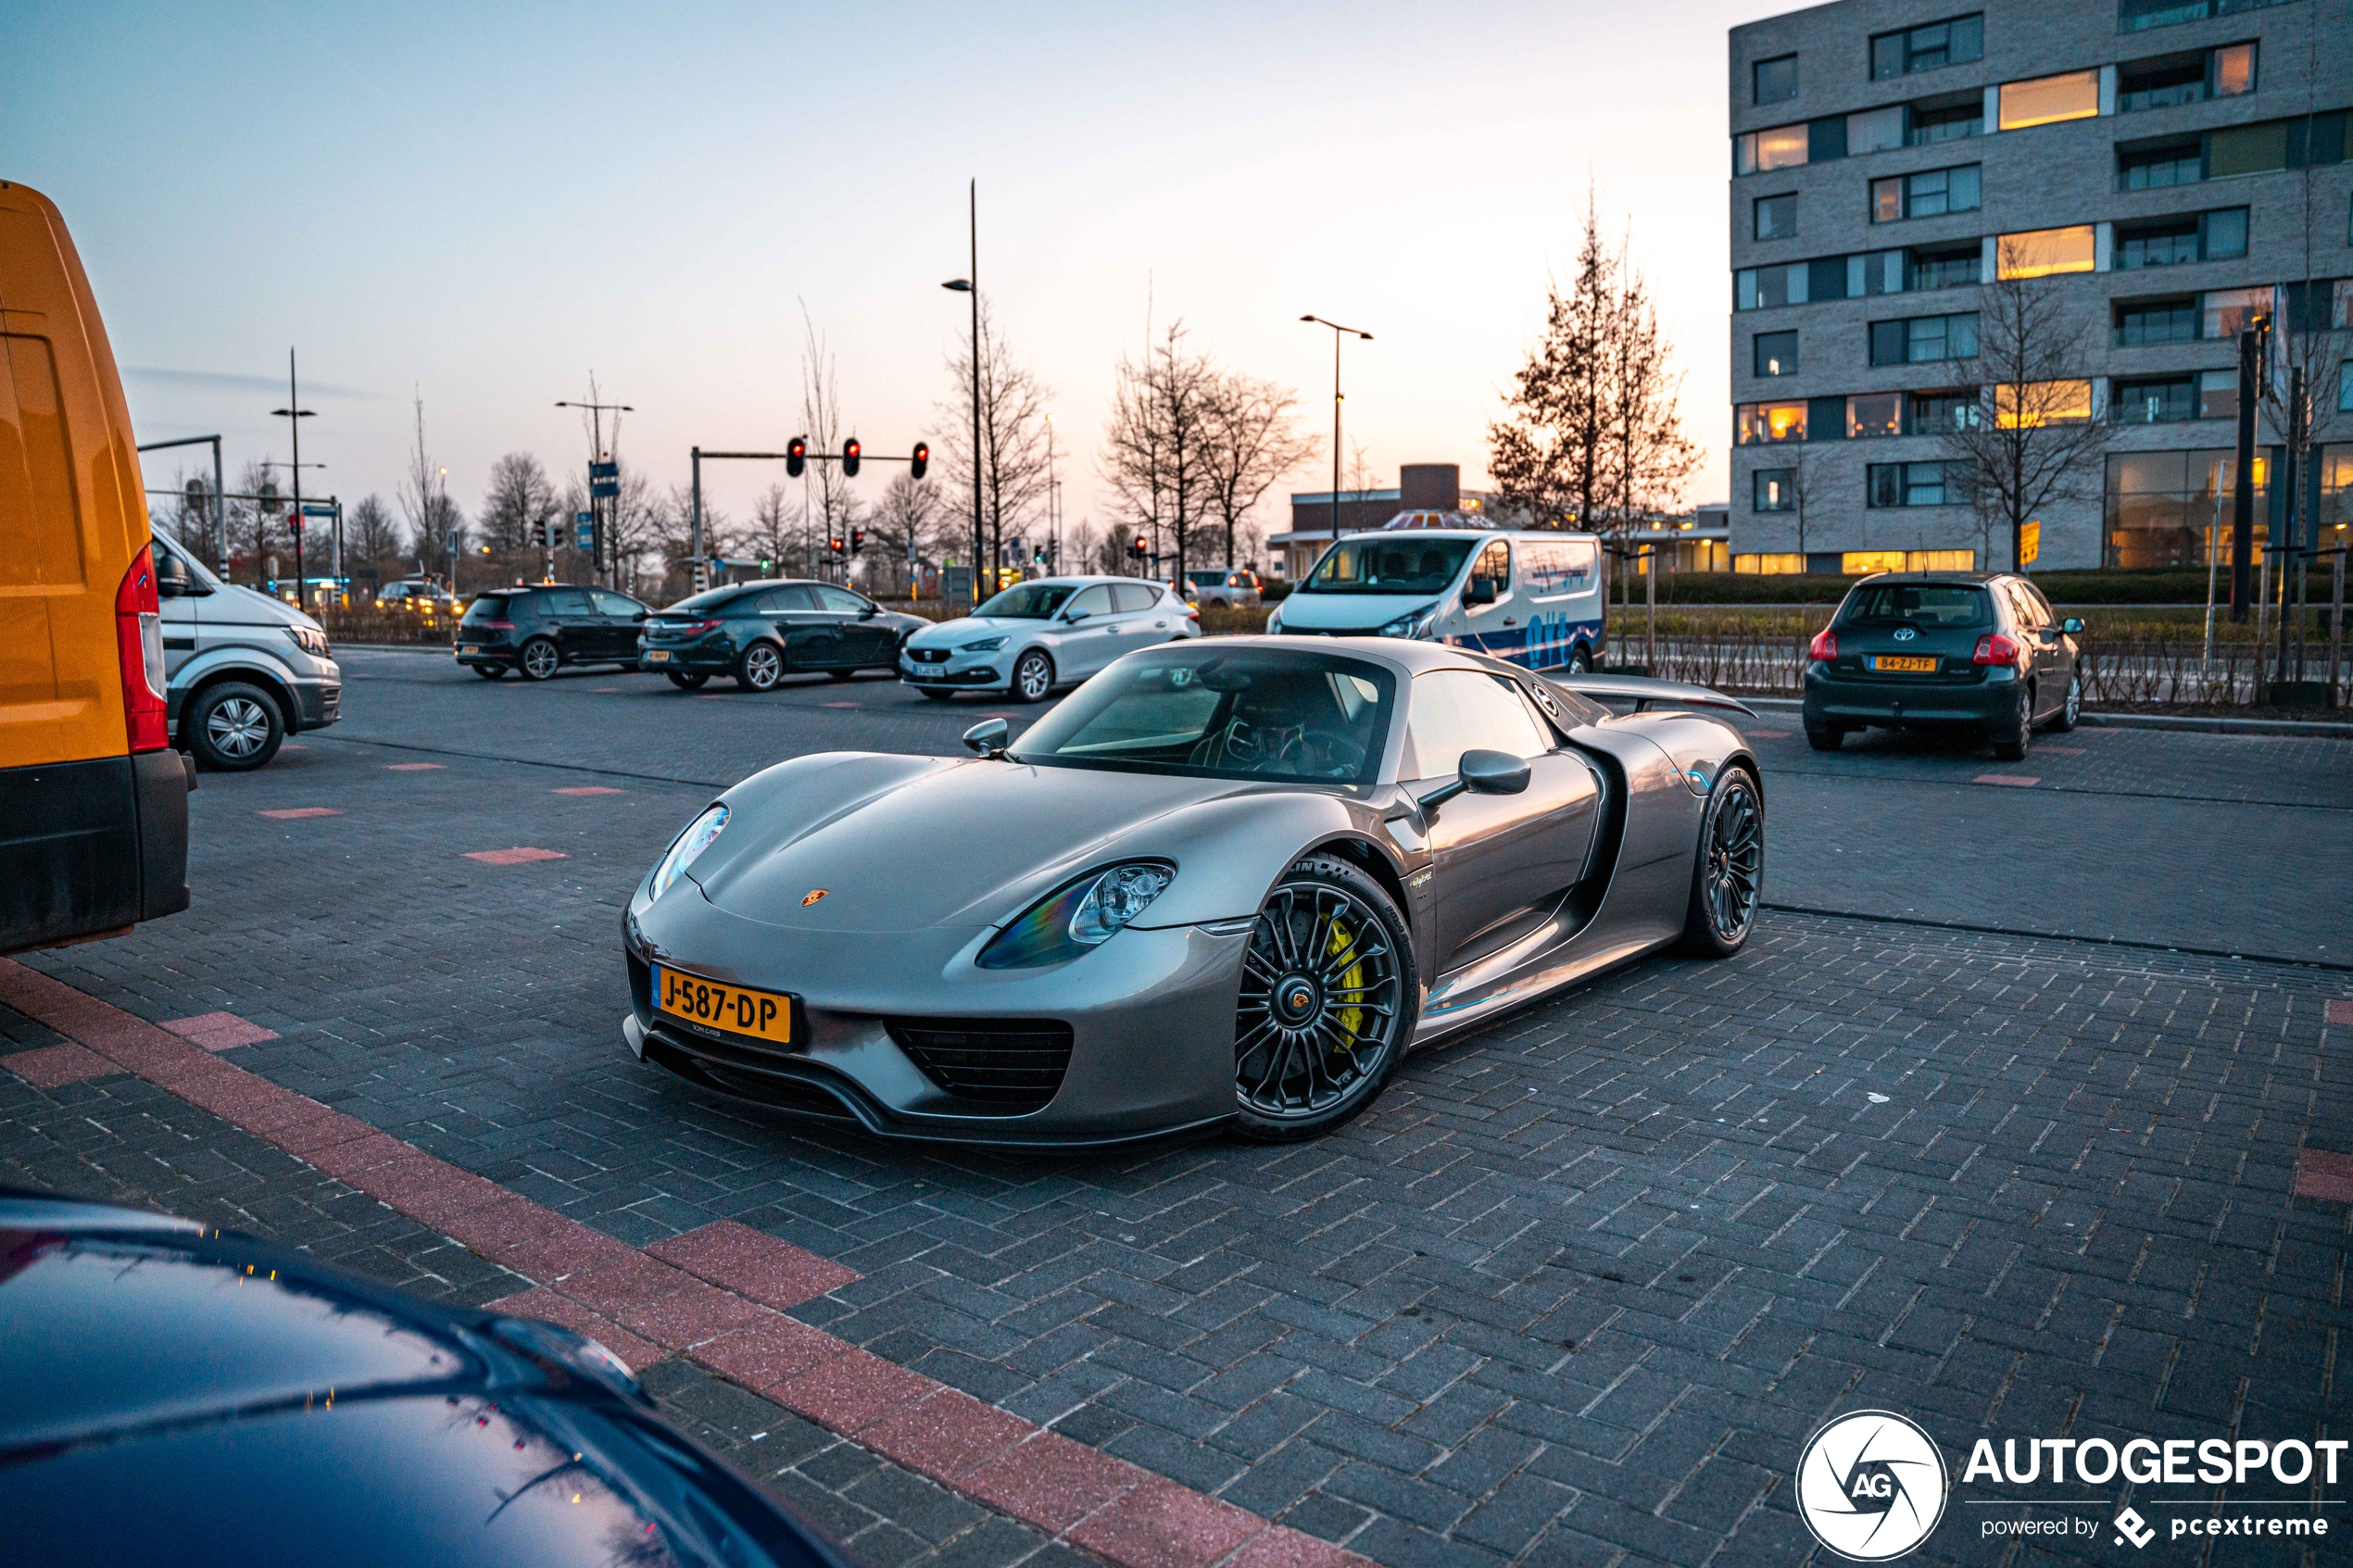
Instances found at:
x=1535 y=597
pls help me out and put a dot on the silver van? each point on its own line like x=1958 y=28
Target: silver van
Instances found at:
x=245 y=671
x=1533 y=597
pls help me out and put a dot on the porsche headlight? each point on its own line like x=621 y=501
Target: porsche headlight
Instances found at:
x=1079 y=917
x=693 y=842
x=1413 y=623
x=987 y=645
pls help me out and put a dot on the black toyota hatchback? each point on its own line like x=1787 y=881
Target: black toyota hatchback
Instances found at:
x=1944 y=649
x=178 y=1395
x=760 y=632
x=539 y=630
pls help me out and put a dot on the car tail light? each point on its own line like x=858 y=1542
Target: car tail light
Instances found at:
x=494 y=625
x=689 y=628
x=1995 y=648
x=138 y=625
x=1825 y=646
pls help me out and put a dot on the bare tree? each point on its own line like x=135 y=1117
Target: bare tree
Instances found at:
x=432 y=517
x=774 y=533
x=1156 y=458
x=833 y=509
x=642 y=523
x=901 y=528
x=2034 y=443
x=369 y=536
x=518 y=503
x=1011 y=459
x=1252 y=440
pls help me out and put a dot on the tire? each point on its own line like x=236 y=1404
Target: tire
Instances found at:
x=539 y=659
x=686 y=680
x=1286 y=1087
x=2011 y=737
x=1033 y=676
x=937 y=695
x=1580 y=660
x=2070 y=711
x=1728 y=872
x=1828 y=737
x=491 y=671
x=761 y=666
x=839 y=675
x=233 y=727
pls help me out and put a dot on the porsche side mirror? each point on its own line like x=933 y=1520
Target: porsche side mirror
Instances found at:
x=1480 y=591
x=1493 y=773
x=986 y=738
x=2071 y=626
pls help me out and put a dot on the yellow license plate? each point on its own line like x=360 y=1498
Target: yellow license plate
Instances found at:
x=469 y=647
x=737 y=1008
x=1903 y=664
x=657 y=655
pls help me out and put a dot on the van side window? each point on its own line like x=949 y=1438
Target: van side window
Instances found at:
x=1494 y=565
x=1556 y=566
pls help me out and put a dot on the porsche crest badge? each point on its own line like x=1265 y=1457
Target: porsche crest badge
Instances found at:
x=814 y=893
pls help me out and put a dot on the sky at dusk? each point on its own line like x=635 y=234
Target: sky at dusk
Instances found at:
x=481 y=205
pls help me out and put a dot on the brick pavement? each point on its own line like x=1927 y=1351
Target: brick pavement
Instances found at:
x=1574 y=1292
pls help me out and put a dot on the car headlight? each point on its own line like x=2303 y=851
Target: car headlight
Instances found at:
x=309 y=639
x=1274 y=619
x=1413 y=623
x=987 y=645
x=693 y=842
x=1079 y=917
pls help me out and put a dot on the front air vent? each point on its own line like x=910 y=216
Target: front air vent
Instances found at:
x=1004 y=1066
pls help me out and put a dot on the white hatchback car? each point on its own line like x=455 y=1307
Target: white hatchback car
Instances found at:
x=1038 y=636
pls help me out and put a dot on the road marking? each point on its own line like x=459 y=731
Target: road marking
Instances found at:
x=2321 y=1174
x=1769 y=734
x=220 y=1030
x=837 y=705
x=2006 y=779
x=708 y=1295
x=589 y=789
x=411 y=767
x=600 y=689
x=514 y=857
x=2340 y=1010
x=290 y=814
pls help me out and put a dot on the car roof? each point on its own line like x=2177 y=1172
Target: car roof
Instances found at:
x=1955 y=579
x=1409 y=657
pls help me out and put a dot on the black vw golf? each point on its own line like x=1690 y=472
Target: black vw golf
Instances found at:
x=1942 y=649
x=760 y=632
x=538 y=629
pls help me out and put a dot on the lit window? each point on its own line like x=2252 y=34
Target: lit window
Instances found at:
x=1757 y=151
x=1790 y=565
x=1940 y=560
x=1765 y=422
x=1773 y=490
x=1874 y=414
x=1857 y=563
x=2039 y=253
x=2046 y=100
x=2042 y=402
x=2235 y=71
x=2230 y=311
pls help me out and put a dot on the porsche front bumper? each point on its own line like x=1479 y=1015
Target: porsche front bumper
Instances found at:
x=1149 y=1015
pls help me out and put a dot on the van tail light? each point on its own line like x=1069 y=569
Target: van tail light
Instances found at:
x=1995 y=648
x=138 y=625
x=1825 y=646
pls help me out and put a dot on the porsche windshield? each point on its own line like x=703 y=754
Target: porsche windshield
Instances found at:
x=1028 y=601
x=1228 y=713
x=1391 y=563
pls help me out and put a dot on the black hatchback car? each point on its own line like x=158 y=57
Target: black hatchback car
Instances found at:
x=1944 y=649
x=760 y=632
x=181 y=1395
x=539 y=630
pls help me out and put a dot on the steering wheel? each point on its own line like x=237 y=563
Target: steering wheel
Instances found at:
x=1324 y=753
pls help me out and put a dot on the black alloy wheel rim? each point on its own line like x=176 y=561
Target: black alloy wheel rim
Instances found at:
x=539 y=659
x=1735 y=851
x=1321 y=999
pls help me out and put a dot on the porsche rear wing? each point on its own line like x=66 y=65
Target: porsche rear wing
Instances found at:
x=1645 y=693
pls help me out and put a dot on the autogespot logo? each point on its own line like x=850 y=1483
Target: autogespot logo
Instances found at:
x=1870 y=1485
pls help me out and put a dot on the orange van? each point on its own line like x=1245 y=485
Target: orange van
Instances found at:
x=93 y=801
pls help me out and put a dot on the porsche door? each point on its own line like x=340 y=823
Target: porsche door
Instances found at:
x=1500 y=862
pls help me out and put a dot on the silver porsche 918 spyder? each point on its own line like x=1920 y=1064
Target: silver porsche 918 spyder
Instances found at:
x=1229 y=883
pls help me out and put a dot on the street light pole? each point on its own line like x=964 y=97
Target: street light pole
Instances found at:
x=597 y=412
x=1339 y=331
x=971 y=285
x=295 y=413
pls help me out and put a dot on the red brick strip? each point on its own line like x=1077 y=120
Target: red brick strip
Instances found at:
x=715 y=1294
x=2339 y=1011
x=2324 y=1176
x=514 y=857
x=297 y=811
x=2026 y=780
x=220 y=1030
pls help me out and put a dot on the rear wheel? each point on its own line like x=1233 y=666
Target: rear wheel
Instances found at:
x=1033 y=676
x=1580 y=660
x=490 y=672
x=1729 y=873
x=686 y=680
x=2013 y=735
x=841 y=674
x=539 y=659
x=233 y=727
x=937 y=695
x=761 y=666
x=2070 y=711
x=1825 y=737
x=1327 y=1003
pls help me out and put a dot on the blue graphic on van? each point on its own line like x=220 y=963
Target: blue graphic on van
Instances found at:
x=1547 y=642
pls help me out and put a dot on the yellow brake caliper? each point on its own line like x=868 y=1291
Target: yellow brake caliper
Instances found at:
x=1352 y=983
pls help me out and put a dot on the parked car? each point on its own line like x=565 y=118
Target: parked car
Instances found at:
x=1533 y=597
x=94 y=802
x=538 y=629
x=262 y=1406
x=1223 y=587
x=1036 y=635
x=760 y=632
x=246 y=669
x=1944 y=650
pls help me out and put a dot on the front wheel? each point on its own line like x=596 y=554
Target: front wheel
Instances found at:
x=1327 y=1002
x=490 y=672
x=1825 y=737
x=234 y=726
x=1729 y=877
x=539 y=659
x=841 y=675
x=937 y=695
x=686 y=680
x=1033 y=676
x=760 y=667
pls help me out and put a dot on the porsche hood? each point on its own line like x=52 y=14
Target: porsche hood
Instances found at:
x=861 y=842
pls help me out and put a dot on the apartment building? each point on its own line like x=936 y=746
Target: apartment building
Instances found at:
x=2167 y=168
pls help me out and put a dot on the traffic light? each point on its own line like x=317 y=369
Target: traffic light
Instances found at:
x=835 y=545
x=922 y=459
x=849 y=450
x=767 y=565
x=1140 y=547
x=797 y=456
x=856 y=540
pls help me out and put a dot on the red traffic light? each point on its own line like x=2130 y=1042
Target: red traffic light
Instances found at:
x=797 y=456
x=1140 y=545
x=856 y=540
x=849 y=450
x=921 y=460
x=834 y=544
